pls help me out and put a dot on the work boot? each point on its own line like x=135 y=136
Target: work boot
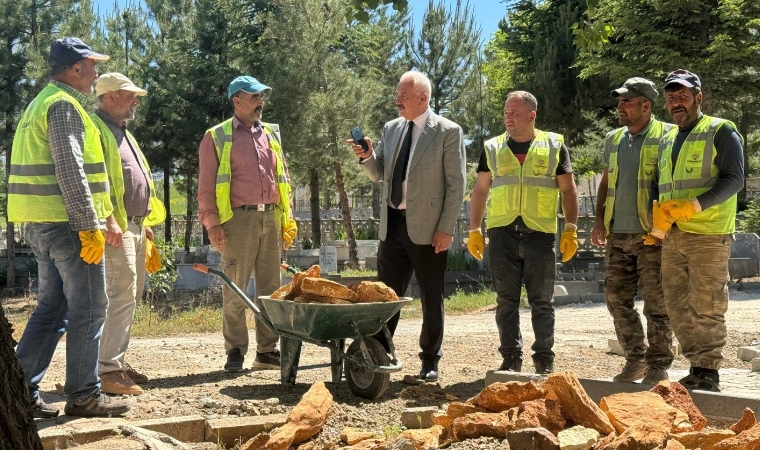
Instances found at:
x=707 y=380
x=511 y=363
x=118 y=383
x=632 y=371
x=690 y=381
x=136 y=376
x=41 y=410
x=267 y=361
x=234 y=361
x=429 y=371
x=655 y=374
x=544 y=364
x=97 y=405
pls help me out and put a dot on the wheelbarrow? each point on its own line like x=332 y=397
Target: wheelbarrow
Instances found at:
x=366 y=363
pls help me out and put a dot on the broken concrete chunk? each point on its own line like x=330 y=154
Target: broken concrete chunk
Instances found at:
x=747 y=440
x=532 y=439
x=351 y=435
x=415 y=418
x=475 y=425
x=577 y=438
x=646 y=434
x=678 y=397
x=747 y=421
x=458 y=409
x=576 y=403
x=547 y=413
x=626 y=408
x=500 y=397
x=703 y=439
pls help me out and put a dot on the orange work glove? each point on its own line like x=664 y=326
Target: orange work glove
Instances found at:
x=568 y=243
x=476 y=244
x=152 y=257
x=681 y=210
x=650 y=239
x=93 y=246
x=289 y=232
x=661 y=221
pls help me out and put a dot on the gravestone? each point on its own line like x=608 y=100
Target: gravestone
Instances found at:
x=328 y=259
x=745 y=256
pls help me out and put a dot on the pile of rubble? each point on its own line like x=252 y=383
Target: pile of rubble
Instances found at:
x=555 y=413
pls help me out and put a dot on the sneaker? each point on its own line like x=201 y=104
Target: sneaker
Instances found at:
x=118 y=383
x=512 y=363
x=632 y=371
x=544 y=364
x=41 y=410
x=707 y=380
x=234 y=361
x=655 y=374
x=269 y=360
x=97 y=405
x=136 y=376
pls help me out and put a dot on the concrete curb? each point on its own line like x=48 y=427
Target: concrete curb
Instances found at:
x=713 y=405
x=58 y=433
x=593 y=297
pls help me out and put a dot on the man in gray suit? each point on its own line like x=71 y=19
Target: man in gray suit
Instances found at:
x=421 y=159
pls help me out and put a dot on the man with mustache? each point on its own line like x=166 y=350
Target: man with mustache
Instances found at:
x=244 y=203
x=622 y=227
x=701 y=169
x=136 y=209
x=523 y=172
x=58 y=185
x=421 y=159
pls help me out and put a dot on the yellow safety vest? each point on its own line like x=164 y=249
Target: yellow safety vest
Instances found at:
x=222 y=136
x=529 y=190
x=647 y=168
x=695 y=173
x=157 y=213
x=33 y=191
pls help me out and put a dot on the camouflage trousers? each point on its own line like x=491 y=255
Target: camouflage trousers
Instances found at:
x=695 y=284
x=629 y=266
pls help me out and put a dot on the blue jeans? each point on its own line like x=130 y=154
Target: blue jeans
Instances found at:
x=71 y=298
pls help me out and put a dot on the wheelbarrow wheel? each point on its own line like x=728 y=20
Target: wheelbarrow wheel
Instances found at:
x=363 y=382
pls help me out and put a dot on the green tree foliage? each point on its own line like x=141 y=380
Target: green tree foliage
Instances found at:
x=361 y=9
x=446 y=50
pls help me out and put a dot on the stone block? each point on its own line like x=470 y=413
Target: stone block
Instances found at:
x=532 y=439
x=756 y=364
x=184 y=428
x=79 y=432
x=415 y=418
x=748 y=353
x=232 y=430
x=577 y=438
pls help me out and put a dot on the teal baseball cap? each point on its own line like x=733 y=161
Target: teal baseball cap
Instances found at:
x=246 y=84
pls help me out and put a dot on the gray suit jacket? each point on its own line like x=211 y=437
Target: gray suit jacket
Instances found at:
x=435 y=181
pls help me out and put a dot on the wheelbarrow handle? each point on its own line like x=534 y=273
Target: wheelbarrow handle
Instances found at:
x=201 y=268
x=288 y=268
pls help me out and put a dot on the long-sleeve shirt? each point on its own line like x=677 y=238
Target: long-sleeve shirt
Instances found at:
x=729 y=157
x=66 y=142
x=253 y=167
x=136 y=187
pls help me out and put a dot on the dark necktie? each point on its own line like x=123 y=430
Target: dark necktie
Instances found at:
x=399 y=170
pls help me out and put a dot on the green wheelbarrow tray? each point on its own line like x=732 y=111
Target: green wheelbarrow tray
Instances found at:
x=367 y=363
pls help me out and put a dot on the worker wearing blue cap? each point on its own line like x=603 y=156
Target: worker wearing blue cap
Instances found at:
x=247 y=219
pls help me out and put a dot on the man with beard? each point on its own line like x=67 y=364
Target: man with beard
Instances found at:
x=136 y=209
x=244 y=203
x=522 y=174
x=632 y=257
x=701 y=169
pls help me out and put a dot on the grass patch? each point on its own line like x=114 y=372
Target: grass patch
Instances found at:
x=358 y=273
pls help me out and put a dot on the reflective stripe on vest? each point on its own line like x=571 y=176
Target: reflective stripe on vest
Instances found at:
x=33 y=191
x=157 y=213
x=646 y=171
x=222 y=137
x=695 y=172
x=529 y=190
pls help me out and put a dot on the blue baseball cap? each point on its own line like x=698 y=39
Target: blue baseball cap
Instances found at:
x=246 y=84
x=70 y=50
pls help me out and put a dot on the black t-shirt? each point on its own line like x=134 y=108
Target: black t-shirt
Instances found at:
x=520 y=149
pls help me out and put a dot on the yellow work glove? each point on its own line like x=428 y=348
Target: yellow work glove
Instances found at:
x=568 y=243
x=680 y=210
x=152 y=257
x=649 y=239
x=476 y=244
x=93 y=246
x=289 y=232
x=661 y=221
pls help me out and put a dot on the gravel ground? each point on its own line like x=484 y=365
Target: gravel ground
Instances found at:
x=186 y=375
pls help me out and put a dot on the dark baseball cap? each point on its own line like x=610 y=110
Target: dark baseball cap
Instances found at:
x=633 y=87
x=70 y=50
x=684 y=78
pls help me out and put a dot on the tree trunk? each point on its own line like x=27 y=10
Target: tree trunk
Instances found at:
x=17 y=428
x=377 y=192
x=316 y=219
x=353 y=256
x=167 y=205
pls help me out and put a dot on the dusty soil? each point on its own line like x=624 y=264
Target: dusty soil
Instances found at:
x=186 y=375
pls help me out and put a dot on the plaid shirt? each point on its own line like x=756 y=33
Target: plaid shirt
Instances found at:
x=66 y=141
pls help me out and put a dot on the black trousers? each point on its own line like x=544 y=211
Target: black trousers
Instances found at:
x=398 y=257
x=520 y=255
